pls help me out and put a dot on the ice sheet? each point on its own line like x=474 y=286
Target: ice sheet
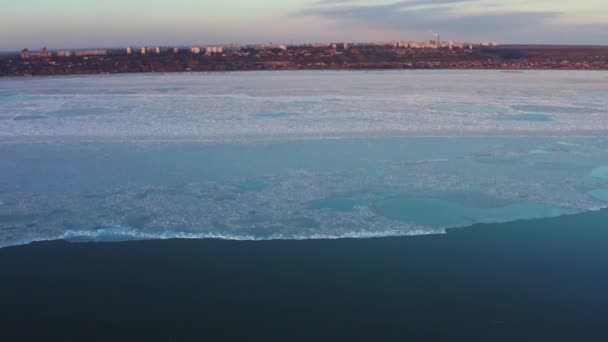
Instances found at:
x=296 y=155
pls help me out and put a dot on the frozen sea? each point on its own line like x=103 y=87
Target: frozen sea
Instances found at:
x=296 y=155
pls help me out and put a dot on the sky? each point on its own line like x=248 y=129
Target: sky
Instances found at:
x=112 y=23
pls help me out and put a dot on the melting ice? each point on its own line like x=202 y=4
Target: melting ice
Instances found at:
x=296 y=155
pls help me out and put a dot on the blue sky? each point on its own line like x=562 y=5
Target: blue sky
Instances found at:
x=88 y=23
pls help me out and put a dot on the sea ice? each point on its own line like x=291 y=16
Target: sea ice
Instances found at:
x=296 y=155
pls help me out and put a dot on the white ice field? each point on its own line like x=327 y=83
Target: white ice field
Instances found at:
x=296 y=155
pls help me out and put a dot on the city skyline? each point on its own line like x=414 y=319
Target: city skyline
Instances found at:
x=112 y=23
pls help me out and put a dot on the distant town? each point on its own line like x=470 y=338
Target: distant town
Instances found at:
x=432 y=54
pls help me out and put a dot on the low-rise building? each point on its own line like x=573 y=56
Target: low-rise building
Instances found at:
x=92 y=52
x=44 y=53
x=271 y=46
x=210 y=50
x=64 y=53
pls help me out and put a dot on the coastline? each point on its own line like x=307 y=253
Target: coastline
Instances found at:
x=202 y=72
x=542 y=279
x=364 y=57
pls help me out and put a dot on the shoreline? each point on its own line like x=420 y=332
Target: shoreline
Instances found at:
x=508 y=71
x=304 y=57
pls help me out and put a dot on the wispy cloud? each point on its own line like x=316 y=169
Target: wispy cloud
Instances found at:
x=399 y=3
x=463 y=17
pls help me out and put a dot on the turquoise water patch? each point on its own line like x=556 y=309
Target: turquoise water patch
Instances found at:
x=337 y=204
x=474 y=199
x=526 y=117
x=303 y=102
x=379 y=171
x=566 y=143
x=599 y=172
x=428 y=212
x=121 y=92
x=170 y=89
x=225 y=197
x=563 y=166
x=74 y=112
x=600 y=194
x=17 y=98
x=471 y=108
x=475 y=188
x=553 y=109
x=440 y=213
x=498 y=160
x=272 y=115
x=539 y=151
x=253 y=185
x=29 y=117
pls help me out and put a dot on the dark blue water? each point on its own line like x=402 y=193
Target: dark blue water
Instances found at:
x=539 y=280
